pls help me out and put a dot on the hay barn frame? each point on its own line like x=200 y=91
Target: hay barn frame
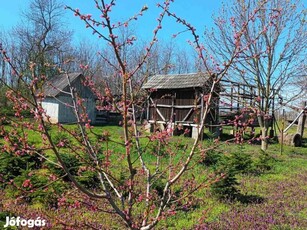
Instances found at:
x=179 y=99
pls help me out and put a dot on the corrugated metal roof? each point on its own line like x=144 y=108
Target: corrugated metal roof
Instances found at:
x=58 y=83
x=177 y=81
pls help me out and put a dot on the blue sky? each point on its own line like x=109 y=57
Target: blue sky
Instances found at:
x=198 y=13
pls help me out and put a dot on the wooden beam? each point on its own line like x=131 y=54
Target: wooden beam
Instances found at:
x=202 y=104
x=172 y=118
x=158 y=111
x=189 y=113
x=178 y=106
x=293 y=122
x=148 y=109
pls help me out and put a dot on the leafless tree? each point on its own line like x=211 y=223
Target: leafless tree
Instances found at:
x=275 y=47
x=41 y=37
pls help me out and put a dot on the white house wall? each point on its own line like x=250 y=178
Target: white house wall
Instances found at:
x=52 y=110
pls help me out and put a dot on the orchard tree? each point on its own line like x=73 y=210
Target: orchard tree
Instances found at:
x=136 y=178
x=274 y=47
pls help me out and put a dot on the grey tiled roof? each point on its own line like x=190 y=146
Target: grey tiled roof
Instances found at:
x=177 y=81
x=58 y=83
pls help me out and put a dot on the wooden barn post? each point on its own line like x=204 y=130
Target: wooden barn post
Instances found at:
x=173 y=116
x=301 y=121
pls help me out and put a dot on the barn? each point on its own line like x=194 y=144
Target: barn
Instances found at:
x=58 y=100
x=179 y=100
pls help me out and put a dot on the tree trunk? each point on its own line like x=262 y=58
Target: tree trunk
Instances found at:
x=264 y=138
x=264 y=124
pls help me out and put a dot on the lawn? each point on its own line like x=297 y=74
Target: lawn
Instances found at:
x=276 y=199
x=271 y=195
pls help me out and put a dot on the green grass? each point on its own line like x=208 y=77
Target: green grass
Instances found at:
x=287 y=175
x=286 y=169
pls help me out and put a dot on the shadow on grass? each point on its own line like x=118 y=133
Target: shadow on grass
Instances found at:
x=222 y=137
x=304 y=142
x=226 y=137
x=249 y=199
x=243 y=198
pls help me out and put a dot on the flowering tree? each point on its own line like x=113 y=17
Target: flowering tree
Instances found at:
x=138 y=177
x=274 y=48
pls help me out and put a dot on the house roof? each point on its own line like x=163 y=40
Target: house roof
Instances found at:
x=177 y=81
x=58 y=83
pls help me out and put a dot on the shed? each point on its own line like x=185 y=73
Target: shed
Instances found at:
x=179 y=99
x=58 y=100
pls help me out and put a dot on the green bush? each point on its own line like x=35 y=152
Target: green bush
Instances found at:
x=212 y=158
x=71 y=162
x=234 y=164
x=263 y=163
x=6 y=110
x=226 y=187
x=231 y=165
x=12 y=165
x=89 y=179
x=240 y=163
x=38 y=189
x=61 y=137
x=47 y=192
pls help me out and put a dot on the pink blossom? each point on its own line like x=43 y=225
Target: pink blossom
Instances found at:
x=27 y=184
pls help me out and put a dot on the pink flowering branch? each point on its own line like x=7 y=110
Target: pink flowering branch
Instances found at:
x=126 y=177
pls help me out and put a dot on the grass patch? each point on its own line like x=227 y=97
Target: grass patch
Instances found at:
x=273 y=196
